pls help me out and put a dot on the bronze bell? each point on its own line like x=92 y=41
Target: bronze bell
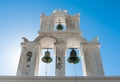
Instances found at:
x=73 y=57
x=47 y=58
x=59 y=27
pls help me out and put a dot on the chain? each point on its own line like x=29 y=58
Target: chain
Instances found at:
x=46 y=73
x=75 y=73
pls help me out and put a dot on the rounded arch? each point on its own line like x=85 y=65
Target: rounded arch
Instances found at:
x=46 y=41
x=45 y=36
x=73 y=43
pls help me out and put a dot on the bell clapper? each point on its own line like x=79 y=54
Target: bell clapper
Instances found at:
x=46 y=73
x=75 y=73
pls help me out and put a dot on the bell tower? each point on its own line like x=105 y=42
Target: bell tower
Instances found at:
x=60 y=31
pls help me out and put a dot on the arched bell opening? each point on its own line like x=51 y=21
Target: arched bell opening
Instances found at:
x=59 y=25
x=73 y=43
x=47 y=63
x=47 y=42
x=73 y=62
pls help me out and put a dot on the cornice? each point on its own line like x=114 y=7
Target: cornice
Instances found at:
x=59 y=78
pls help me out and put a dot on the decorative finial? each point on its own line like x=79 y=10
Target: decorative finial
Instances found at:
x=78 y=14
x=25 y=40
x=54 y=11
x=59 y=10
x=42 y=14
x=95 y=40
x=65 y=11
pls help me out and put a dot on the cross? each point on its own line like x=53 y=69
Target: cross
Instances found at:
x=59 y=21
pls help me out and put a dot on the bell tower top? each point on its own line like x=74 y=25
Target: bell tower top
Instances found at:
x=60 y=31
x=59 y=21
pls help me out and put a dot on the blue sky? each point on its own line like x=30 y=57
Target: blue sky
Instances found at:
x=20 y=18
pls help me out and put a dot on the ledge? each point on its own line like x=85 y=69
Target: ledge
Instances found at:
x=60 y=78
x=61 y=32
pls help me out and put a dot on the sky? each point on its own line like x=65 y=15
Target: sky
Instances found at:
x=21 y=18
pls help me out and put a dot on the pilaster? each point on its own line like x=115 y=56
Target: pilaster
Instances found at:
x=29 y=60
x=91 y=60
x=60 y=49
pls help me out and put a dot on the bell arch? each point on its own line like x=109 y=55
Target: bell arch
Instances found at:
x=47 y=63
x=47 y=42
x=73 y=48
x=73 y=63
x=73 y=42
x=45 y=36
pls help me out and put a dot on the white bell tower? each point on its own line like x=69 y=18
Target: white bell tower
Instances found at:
x=60 y=31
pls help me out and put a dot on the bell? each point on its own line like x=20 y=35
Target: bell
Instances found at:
x=73 y=57
x=59 y=27
x=47 y=58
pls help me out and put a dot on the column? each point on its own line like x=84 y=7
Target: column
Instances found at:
x=91 y=60
x=60 y=49
x=38 y=53
x=29 y=60
x=21 y=61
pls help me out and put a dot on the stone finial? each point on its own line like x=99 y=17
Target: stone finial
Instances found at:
x=59 y=10
x=25 y=40
x=65 y=11
x=78 y=14
x=54 y=11
x=95 y=40
x=42 y=14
